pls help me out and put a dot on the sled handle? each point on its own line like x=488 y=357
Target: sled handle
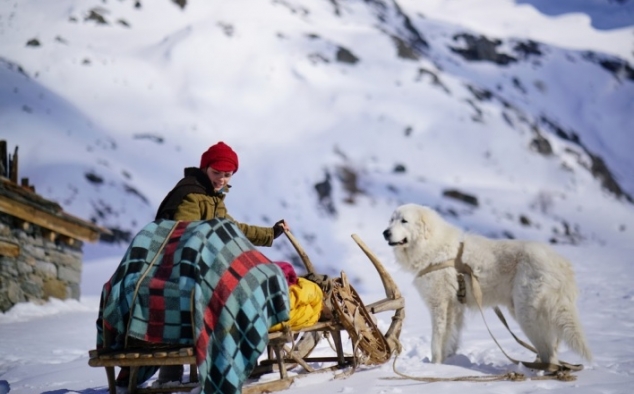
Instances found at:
x=300 y=251
x=391 y=290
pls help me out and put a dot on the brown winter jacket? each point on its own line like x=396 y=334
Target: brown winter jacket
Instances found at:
x=203 y=203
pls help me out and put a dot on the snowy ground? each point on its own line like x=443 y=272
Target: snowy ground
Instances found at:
x=44 y=349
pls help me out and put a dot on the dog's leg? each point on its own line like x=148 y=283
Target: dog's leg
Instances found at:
x=539 y=329
x=545 y=344
x=455 y=322
x=438 y=333
x=555 y=347
x=438 y=293
x=441 y=319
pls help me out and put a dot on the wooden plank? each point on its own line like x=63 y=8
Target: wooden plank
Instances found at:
x=323 y=359
x=9 y=249
x=24 y=182
x=140 y=361
x=49 y=235
x=4 y=170
x=283 y=384
x=386 y=305
x=268 y=387
x=66 y=240
x=150 y=351
x=27 y=196
x=13 y=167
x=321 y=326
x=44 y=219
x=24 y=225
x=184 y=387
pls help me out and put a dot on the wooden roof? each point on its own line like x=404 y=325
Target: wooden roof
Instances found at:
x=23 y=203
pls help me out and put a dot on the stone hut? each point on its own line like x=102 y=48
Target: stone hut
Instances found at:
x=40 y=244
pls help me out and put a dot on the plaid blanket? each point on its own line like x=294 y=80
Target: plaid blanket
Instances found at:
x=195 y=283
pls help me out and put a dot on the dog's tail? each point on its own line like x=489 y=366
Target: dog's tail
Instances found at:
x=573 y=335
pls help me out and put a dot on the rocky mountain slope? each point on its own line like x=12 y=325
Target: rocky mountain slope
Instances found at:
x=337 y=108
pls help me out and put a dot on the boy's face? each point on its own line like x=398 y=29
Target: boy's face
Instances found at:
x=219 y=179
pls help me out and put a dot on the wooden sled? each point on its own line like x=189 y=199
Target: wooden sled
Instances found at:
x=288 y=349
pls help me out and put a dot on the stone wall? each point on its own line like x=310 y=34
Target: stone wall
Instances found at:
x=43 y=268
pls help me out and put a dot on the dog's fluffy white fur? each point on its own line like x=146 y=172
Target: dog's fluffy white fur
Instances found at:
x=536 y=284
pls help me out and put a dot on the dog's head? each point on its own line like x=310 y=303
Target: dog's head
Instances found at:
x=407 y=225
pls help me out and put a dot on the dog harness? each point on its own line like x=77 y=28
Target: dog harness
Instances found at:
x=459 y=266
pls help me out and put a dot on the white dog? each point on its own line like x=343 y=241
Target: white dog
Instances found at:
x=536 y=284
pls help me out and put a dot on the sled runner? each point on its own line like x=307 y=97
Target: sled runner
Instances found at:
x=288 y=352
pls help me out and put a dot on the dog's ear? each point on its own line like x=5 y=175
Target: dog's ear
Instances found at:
x=426 y=229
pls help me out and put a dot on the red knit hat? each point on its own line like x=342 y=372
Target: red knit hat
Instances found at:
x=220 y=157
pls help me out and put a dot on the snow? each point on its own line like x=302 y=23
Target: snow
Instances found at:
x=44 y=348
x=262 y=77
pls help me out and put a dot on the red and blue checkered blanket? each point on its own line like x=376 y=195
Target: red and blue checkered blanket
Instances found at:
x=205 y=273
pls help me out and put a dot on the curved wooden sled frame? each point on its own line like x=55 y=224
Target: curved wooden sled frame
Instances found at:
x=286 y=349
x=285 y=358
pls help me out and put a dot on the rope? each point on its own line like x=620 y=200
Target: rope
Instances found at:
x=147 y=270
x=564 y=376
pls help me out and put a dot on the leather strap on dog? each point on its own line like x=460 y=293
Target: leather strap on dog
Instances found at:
x=451 y=263
x=455 y=262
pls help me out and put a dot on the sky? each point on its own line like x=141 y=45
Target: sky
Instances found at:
x=134 y=101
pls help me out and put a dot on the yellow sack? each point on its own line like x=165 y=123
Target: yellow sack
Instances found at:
x=306 y=300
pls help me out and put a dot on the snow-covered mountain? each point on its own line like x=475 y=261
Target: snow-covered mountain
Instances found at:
x=513 y=118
